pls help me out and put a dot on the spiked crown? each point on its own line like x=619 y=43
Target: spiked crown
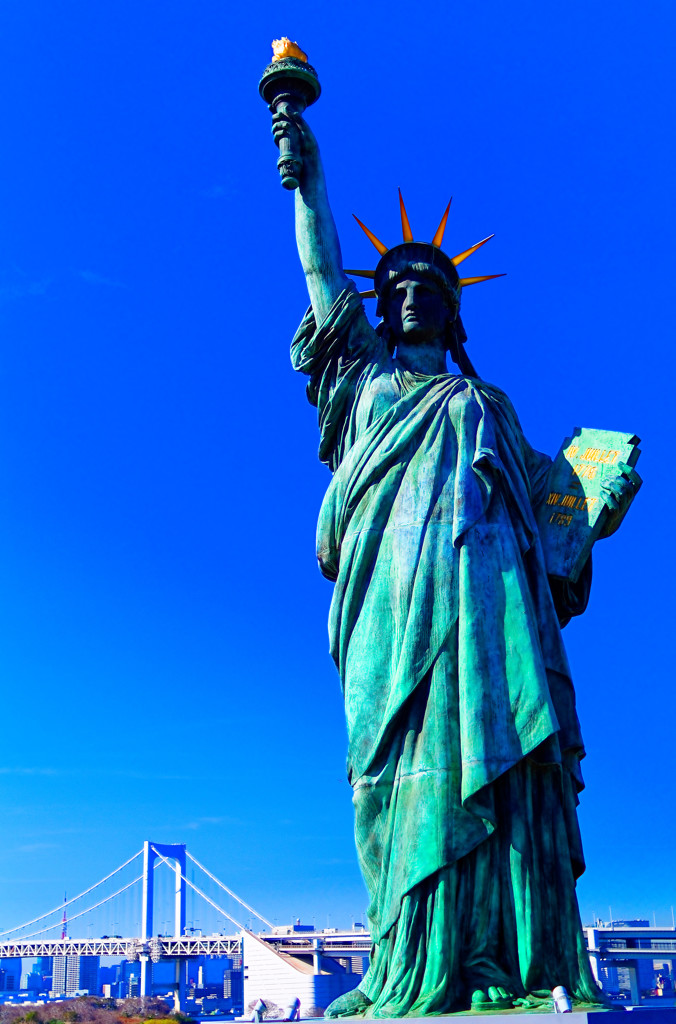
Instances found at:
x=418 y=255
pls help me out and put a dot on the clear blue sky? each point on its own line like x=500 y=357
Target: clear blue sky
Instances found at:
x=163 y=625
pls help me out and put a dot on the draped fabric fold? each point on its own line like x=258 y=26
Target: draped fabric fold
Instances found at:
x=446 y=637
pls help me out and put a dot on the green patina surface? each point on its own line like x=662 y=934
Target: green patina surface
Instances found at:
x=464 y=744
x=445 y=627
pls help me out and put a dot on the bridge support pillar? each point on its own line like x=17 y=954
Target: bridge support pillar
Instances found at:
x=594 y=963
x=179 y=985
x=174 y=852
x=632 y=970
x=146 y=975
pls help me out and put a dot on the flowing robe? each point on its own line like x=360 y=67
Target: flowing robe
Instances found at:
x=464 y=743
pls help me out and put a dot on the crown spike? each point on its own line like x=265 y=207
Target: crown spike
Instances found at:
x=439 y=237
x=464 y=281
x=468 y=252
x=382 y=249
x=405 y=226
x=361 y=273
x=368 y=295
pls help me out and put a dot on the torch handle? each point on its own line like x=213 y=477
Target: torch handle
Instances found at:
x=290 y=162
x=289 y=85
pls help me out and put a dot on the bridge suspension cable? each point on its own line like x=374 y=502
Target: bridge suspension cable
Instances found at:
x=74 y=917
x=204 y=896
x=67 y=903
x=229 y=891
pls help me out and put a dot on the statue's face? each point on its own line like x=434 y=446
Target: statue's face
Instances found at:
x=416 y=310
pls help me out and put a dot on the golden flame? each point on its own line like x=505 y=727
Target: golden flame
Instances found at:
x=283 y=47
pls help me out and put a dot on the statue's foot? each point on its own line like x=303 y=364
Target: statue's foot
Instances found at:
x=497 y=998
x=349 y=1005
x=537 y=999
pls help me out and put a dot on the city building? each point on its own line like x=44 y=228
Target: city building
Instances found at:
x=233 y=984
x=44 y=965
x=10 y=973
x=123 y=979
x=31 y=981
x=107 y=976
x=217 y=979
x=73 y=974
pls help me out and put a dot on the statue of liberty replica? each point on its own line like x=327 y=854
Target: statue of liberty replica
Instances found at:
x=445 y=624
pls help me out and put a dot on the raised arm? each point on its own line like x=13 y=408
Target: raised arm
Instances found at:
x=316 y=235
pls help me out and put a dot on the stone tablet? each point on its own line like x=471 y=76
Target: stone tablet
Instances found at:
x=575 y=512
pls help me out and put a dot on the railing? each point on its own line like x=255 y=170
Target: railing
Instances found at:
x=129 y=948
x=187 y=946
x=640 y=944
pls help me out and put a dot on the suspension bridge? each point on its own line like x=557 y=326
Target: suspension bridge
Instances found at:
x=178 y=943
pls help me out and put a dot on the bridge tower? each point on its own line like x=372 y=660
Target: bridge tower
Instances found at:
x=175 y=854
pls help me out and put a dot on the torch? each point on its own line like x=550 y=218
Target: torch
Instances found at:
x=289 y=85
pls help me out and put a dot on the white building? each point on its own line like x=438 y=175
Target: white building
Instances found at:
x=280 y=978
x=73 y=974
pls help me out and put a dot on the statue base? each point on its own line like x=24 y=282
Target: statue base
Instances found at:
x=644 y=1015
